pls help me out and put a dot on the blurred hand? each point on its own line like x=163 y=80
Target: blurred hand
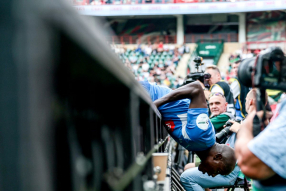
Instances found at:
x=207 y=94
x=235 y=127
x=268 y=116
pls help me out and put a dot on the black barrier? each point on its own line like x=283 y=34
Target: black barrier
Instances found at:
x=72 y=116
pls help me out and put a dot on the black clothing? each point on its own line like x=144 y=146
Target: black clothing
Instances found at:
x=228 y=95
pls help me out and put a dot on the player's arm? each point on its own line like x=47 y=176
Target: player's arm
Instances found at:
x=193 y=91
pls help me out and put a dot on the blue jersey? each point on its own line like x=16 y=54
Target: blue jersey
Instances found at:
x=191 y=128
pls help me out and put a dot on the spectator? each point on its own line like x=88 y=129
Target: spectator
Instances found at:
x=171 y=49
x=176 y=58
x=165 y=48
x=145 y=74
x=154 y=48
x=160 y=47
x=167 y=82
x=148 y=49
x=145 y=66
x=218 y=106
x=138 y=49
x=216 y=85
x=133 y=58
x=168 y=61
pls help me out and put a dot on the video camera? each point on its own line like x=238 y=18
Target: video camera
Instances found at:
x=198 y=75
x=266 y=71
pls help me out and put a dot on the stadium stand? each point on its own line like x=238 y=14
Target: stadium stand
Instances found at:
x=153 y=63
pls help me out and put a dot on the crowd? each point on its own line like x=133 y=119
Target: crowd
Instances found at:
x=153 y=62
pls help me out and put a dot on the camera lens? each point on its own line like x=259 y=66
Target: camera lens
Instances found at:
x=223 y=134
x=245 y=70
x=207 y=76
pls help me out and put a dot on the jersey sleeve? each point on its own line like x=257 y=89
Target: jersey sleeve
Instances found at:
x=270 y=145
x=217 y=88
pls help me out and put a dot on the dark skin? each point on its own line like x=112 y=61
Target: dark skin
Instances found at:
x=193 y=91
x=218 y=159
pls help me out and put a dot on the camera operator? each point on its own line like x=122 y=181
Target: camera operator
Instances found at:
x=263 y=158
x=239 y=93
x=216 y=85
x=194 y=180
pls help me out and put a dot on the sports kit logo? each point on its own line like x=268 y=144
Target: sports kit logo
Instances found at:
x=203 y=121
x=170 y=124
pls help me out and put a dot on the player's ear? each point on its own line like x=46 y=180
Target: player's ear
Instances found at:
x=218 y=156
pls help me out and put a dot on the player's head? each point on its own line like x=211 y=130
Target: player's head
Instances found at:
x=217 y=103
x=215 y=74
x=221 y=160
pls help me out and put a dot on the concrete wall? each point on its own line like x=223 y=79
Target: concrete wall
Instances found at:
x=231 y=47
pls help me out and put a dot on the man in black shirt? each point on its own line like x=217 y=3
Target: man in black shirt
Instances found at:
x=216 y=85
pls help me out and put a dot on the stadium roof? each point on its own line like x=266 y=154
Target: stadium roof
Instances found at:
x=181 y=8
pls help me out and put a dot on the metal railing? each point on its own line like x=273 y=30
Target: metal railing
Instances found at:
x=74 y=114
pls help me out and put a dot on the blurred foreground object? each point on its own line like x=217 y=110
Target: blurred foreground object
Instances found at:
x=72 y=116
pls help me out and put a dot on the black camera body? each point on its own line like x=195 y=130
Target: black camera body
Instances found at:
x=192 y=77
x=198 y=75
x=224 y=133
x=266 y=71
